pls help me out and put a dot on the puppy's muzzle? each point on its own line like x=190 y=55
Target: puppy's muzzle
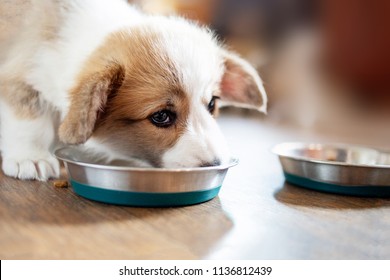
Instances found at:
x=214 y=162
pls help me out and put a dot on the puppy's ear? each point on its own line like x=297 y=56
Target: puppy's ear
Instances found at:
x=241 y=86
x=88 y=99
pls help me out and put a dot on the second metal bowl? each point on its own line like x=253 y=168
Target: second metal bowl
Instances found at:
x=336 y=168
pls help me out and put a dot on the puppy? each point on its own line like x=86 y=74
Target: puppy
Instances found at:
x=103 y=74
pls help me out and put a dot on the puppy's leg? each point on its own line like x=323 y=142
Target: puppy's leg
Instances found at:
x=27 y=132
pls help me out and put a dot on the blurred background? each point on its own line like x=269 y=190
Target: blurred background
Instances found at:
x=325 y=63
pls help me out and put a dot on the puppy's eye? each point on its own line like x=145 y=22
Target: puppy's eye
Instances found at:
x=211 y=106
x=163 y=118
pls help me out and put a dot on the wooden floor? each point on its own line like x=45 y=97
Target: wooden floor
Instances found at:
x=256 y=216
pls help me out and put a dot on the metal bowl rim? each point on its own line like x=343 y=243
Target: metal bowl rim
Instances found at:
x=300 y=145
x=233 y=162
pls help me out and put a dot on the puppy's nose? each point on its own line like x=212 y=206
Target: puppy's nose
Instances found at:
x=214 y=162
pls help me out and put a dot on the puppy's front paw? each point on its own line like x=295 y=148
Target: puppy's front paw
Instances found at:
x=32 y=169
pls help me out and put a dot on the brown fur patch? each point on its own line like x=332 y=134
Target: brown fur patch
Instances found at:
x=23 y=99
x=21 y=17
x=150 y=83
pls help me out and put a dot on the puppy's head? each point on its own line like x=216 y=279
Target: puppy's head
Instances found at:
x=151 y=92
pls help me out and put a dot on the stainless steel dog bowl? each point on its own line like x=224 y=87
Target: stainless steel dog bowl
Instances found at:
x=336 y=168
x=135 y=186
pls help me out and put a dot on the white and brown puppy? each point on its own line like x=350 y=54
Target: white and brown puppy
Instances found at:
x=128 y=84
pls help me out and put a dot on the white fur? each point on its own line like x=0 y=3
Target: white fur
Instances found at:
x=25 y=146
x=202 y=72
x=202 y=143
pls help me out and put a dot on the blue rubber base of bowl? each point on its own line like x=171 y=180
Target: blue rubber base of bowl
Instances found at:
x=143 y=199
x=366 y=191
